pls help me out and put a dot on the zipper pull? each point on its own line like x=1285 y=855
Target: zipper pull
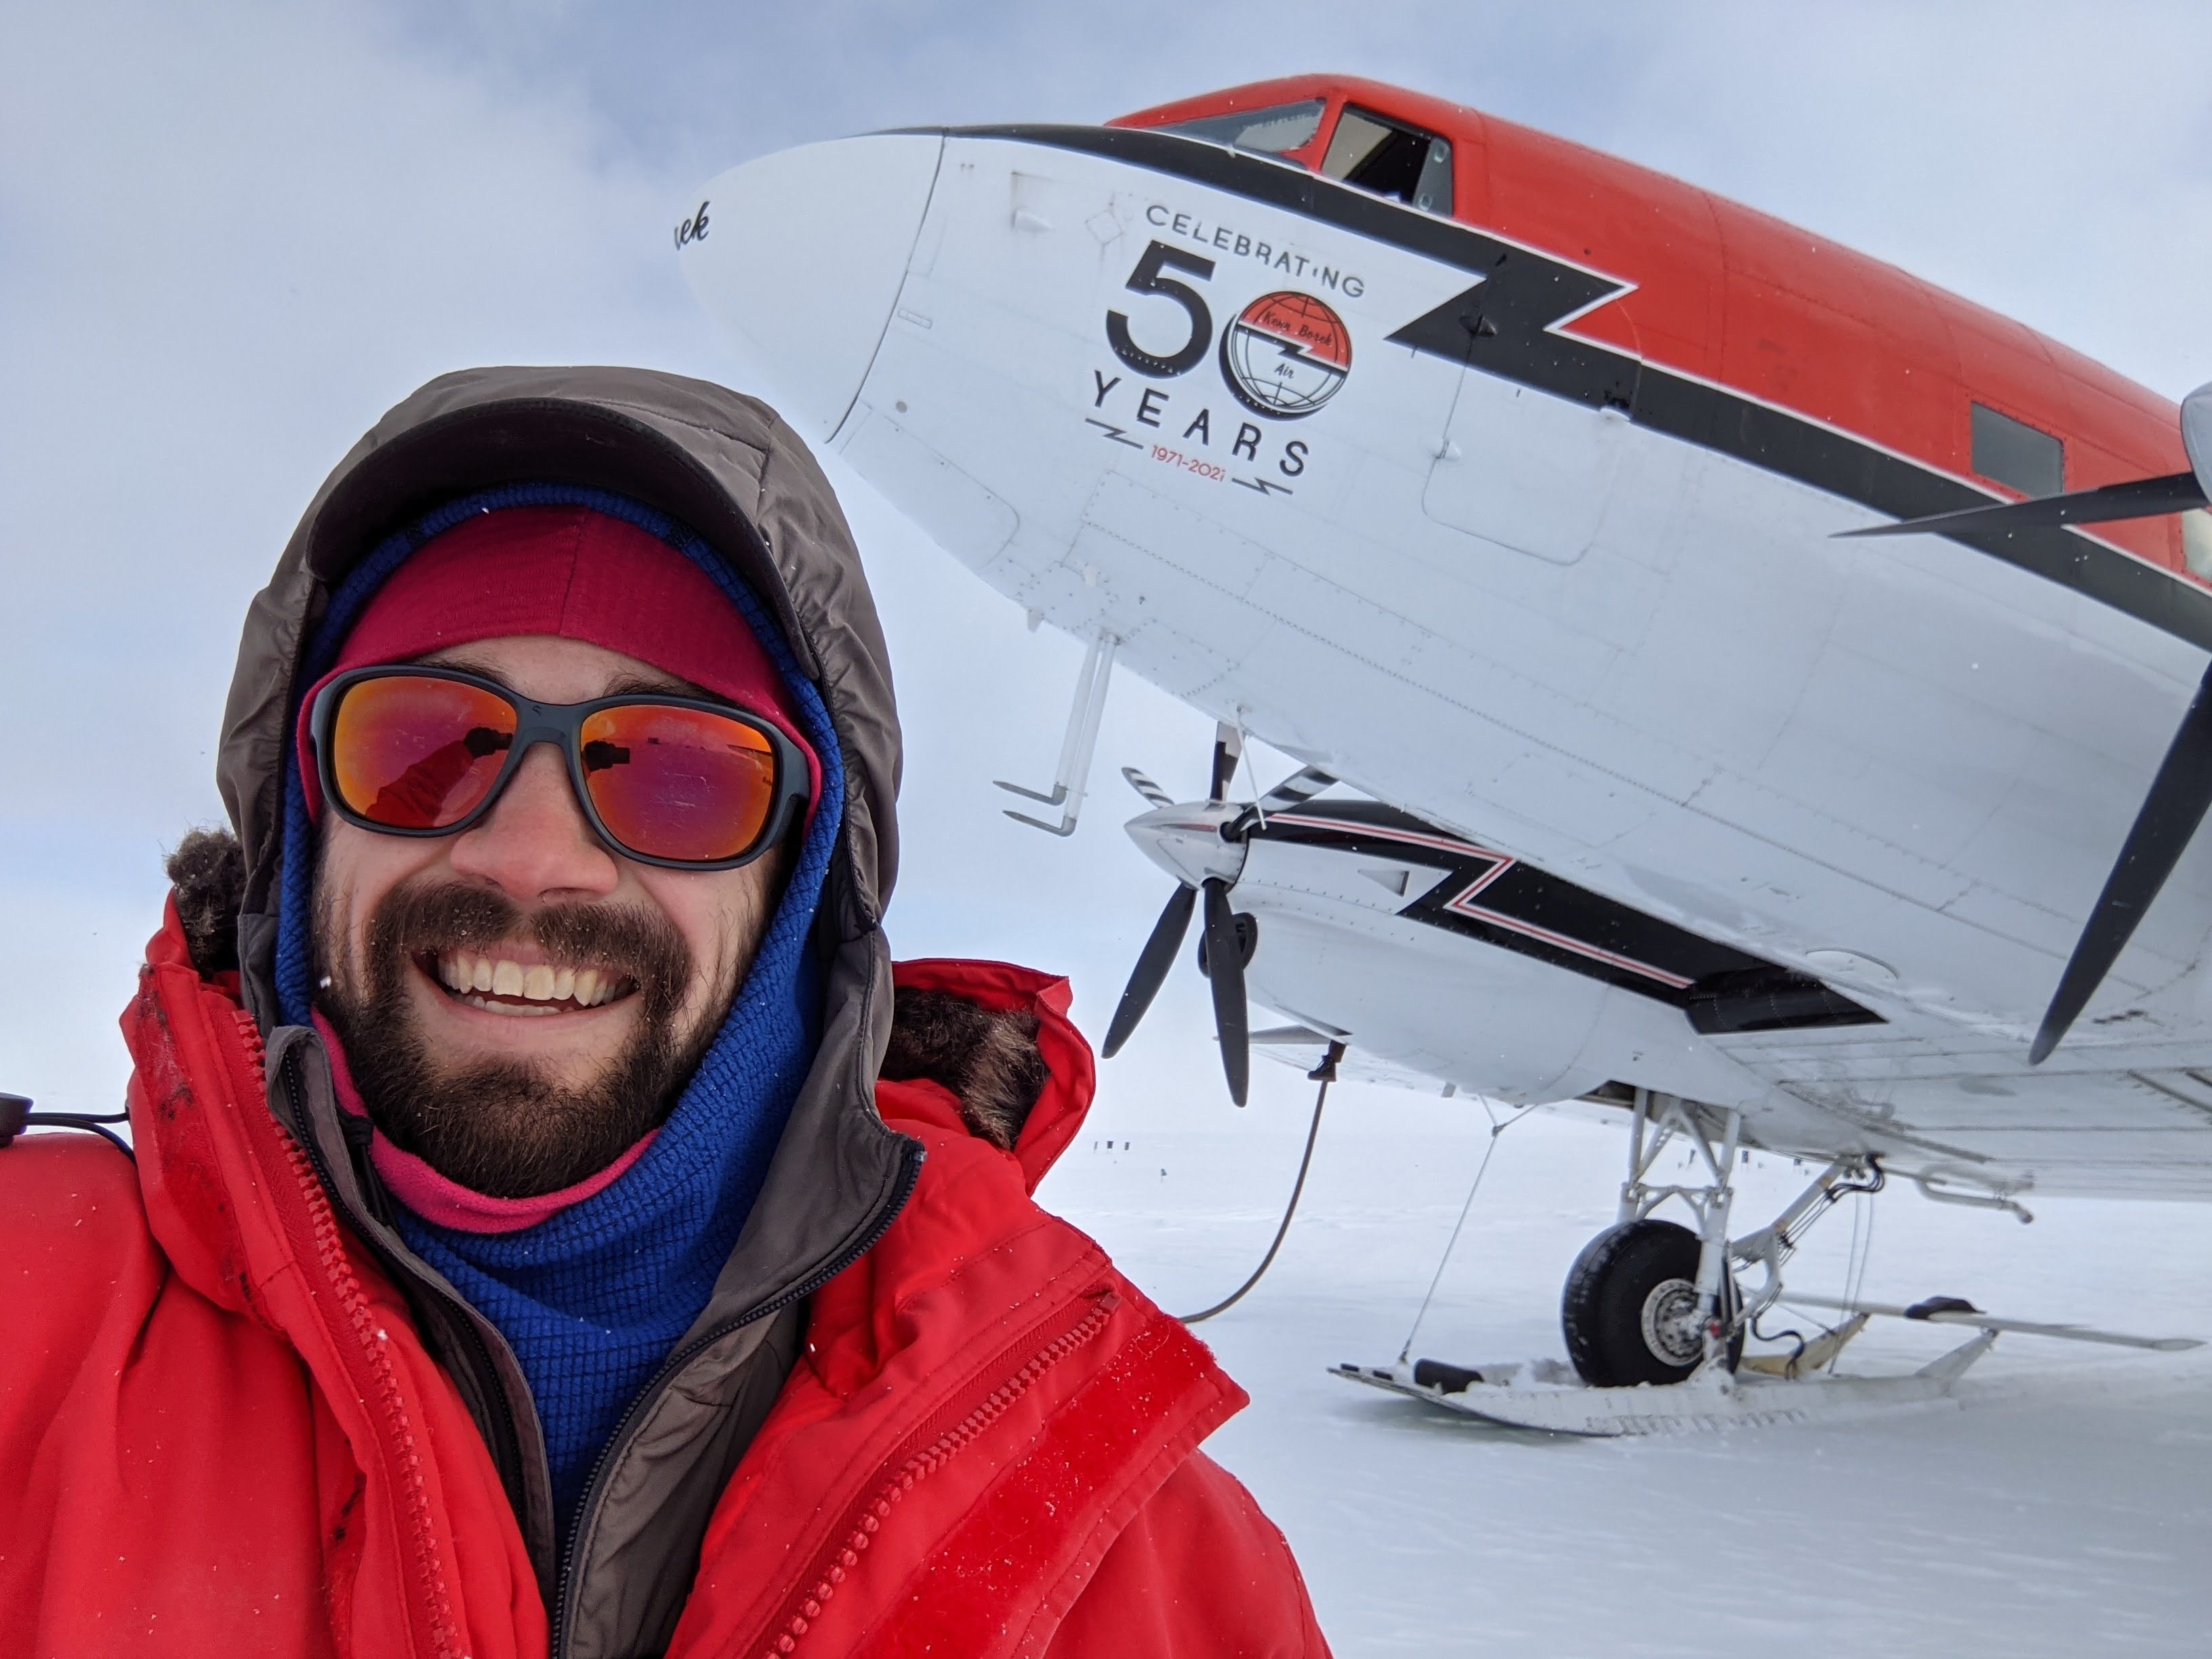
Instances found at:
x=360 y=1134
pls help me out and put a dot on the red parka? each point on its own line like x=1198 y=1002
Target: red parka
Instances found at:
x=221 y=1434
x=238 y=1415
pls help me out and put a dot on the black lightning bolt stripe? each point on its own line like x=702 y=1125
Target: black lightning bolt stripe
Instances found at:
x=1118 y=433
x=1503 y=325
x=1535 y=913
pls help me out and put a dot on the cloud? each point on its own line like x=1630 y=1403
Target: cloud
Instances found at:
x=230 y=243
x=229 y=237
x=2036 y=164
x=229 y=248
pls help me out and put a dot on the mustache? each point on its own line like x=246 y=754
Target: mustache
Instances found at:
x=502 y=1128
x=642 y=945
x=515 y=1127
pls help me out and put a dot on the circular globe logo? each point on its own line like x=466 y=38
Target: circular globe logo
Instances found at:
x=1286 y=355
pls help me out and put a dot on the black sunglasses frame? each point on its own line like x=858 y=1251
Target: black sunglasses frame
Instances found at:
x=561 y=724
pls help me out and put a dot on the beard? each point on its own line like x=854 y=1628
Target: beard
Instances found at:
x=508 y=1129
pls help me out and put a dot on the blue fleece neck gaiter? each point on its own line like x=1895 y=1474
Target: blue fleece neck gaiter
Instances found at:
x=595 y=1299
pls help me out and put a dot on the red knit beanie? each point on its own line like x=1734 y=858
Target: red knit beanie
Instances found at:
x=572 y=574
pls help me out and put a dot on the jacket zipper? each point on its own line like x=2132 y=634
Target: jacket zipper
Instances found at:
x=923 y=1454
x=909 y=1173
x=494 y=1391
x=361 y=1320
x=507 y=1453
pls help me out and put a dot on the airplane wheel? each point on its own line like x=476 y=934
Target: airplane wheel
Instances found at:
x=1630 y=1312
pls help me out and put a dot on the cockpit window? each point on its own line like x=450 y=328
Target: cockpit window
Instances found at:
x=1271 y=132
x=1375 y=153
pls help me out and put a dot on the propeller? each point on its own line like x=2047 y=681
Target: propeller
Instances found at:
x=1225 y=970
x=1152 y=969
x=2138 y=498
x=1225 y=951
x=1153 y=794
x=2163 y=830
x=2182 y=791
x=1296 y=790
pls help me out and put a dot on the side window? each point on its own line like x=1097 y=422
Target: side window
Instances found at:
x=1375 y=153
x=1271 y=132
x=2013 y=452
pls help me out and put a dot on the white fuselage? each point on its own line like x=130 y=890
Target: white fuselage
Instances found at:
x=1902 y=767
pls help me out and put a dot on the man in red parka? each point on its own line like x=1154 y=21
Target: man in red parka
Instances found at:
x=556 y=1224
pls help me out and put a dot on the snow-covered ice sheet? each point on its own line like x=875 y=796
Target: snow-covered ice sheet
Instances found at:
x=2065 y=1507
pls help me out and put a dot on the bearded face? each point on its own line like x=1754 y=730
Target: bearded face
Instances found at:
x=512 y=1126
x=519 y=1003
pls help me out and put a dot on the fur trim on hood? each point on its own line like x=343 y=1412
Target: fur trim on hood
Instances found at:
x=207 y=876
x=987 y=1058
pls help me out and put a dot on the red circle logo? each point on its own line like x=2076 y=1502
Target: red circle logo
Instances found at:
x=1286 y=355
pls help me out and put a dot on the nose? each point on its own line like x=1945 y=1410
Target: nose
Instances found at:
x=1185 y=841
x=2197 y=434
x=535 y=844
x=801 y=254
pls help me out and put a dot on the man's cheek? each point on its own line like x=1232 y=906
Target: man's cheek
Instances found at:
x=355 y=956
x=333 y=956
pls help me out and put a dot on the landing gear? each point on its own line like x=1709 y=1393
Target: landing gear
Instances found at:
x=1651 y=1301
x=1631 y=1308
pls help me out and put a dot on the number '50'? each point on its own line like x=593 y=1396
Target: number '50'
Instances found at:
x=1147 y=278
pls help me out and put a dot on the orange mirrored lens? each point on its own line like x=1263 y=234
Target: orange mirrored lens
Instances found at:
x=678 y=783
x=412 y=752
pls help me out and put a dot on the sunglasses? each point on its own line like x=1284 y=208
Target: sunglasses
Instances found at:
x=670 y=781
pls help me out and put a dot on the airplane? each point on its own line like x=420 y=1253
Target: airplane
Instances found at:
x=1738 y=687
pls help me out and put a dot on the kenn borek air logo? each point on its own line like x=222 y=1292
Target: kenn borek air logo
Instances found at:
x=1286 y=354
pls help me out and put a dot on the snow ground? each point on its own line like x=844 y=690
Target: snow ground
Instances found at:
x=2064 y=1507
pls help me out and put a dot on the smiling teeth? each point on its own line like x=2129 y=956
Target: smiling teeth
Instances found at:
x=462 y=972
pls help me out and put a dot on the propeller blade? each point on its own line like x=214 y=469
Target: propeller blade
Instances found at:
x=2142 y=498
x=2171 y=812
x=1152 y=969
x=1153 y=794
x=1228 y=749
x=1296 y=790
x=1225 y=961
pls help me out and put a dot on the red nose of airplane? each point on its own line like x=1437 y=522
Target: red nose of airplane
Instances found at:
x=800 y=255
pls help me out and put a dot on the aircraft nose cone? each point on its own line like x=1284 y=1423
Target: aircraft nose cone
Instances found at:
x=2196 y=434
x=801 y=254
x=1185 y=841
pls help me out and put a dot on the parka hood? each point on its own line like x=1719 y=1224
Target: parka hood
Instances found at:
x=723 y=463
x=727 y=467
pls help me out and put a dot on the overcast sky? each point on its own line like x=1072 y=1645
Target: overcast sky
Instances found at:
x=231 y=236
